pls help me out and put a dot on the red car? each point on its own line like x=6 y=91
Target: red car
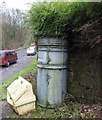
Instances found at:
x=7 y=57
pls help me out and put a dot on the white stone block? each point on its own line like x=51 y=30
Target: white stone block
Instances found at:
x=20 y=96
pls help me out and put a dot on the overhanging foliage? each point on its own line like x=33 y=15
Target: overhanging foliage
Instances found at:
x=59 y=18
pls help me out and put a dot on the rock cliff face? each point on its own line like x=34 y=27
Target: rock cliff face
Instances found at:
x=85 y=63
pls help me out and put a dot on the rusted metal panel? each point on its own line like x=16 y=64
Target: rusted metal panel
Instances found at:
x=42 y=56
x=42 y=86
x=50 y=55
x=52 y=41
x=58 y=57
x=55 y=86
x=51 y=85
x=52 y=70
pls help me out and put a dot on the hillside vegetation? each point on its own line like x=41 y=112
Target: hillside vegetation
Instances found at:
x=14 y=31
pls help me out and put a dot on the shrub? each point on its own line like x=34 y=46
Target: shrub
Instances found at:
x=59 y=18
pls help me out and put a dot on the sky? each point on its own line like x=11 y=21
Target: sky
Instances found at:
x=18 y=4
x=23 y=4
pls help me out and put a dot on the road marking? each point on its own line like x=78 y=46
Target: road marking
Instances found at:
x=15 y=65
x=7 y=68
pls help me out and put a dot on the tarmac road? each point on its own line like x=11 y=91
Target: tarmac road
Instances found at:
x=23 y=61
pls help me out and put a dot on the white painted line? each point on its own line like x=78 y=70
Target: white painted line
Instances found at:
x=14 y=64
x=7 y=68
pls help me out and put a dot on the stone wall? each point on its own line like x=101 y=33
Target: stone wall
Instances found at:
x=85 y=63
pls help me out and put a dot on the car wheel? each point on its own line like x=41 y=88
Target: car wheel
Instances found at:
x=8 y=64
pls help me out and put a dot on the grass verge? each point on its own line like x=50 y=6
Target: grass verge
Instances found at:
x=3 y=87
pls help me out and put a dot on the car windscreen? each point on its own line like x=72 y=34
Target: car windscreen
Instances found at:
x=1 y=54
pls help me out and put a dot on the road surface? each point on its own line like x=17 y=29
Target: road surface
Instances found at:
x=23 y=61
